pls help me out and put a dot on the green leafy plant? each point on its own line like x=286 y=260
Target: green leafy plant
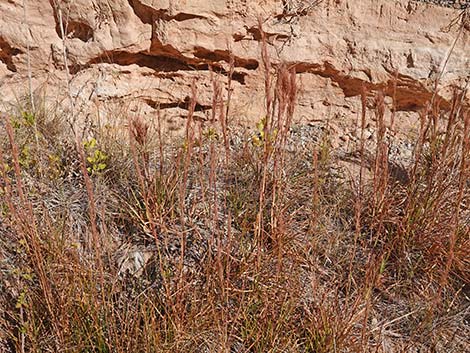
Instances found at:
x=26 y=158
x=211 y=134
x=29 y=118
x=95 y=157
x=25 y=119
x=262 y=135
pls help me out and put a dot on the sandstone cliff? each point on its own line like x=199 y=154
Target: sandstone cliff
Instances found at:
x=144 y=54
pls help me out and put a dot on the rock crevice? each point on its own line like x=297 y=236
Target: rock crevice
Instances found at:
x=7 y=52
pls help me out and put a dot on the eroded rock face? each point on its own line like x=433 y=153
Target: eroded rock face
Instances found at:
x=145 y=54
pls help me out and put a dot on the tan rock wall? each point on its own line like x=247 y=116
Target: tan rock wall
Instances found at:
x=146 y=53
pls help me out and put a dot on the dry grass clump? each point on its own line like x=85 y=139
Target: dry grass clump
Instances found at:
x=121 y=241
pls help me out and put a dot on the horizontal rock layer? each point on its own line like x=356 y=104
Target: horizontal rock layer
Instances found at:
x=144 y=54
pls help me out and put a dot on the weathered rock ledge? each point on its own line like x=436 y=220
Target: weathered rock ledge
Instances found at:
x=144 y=54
